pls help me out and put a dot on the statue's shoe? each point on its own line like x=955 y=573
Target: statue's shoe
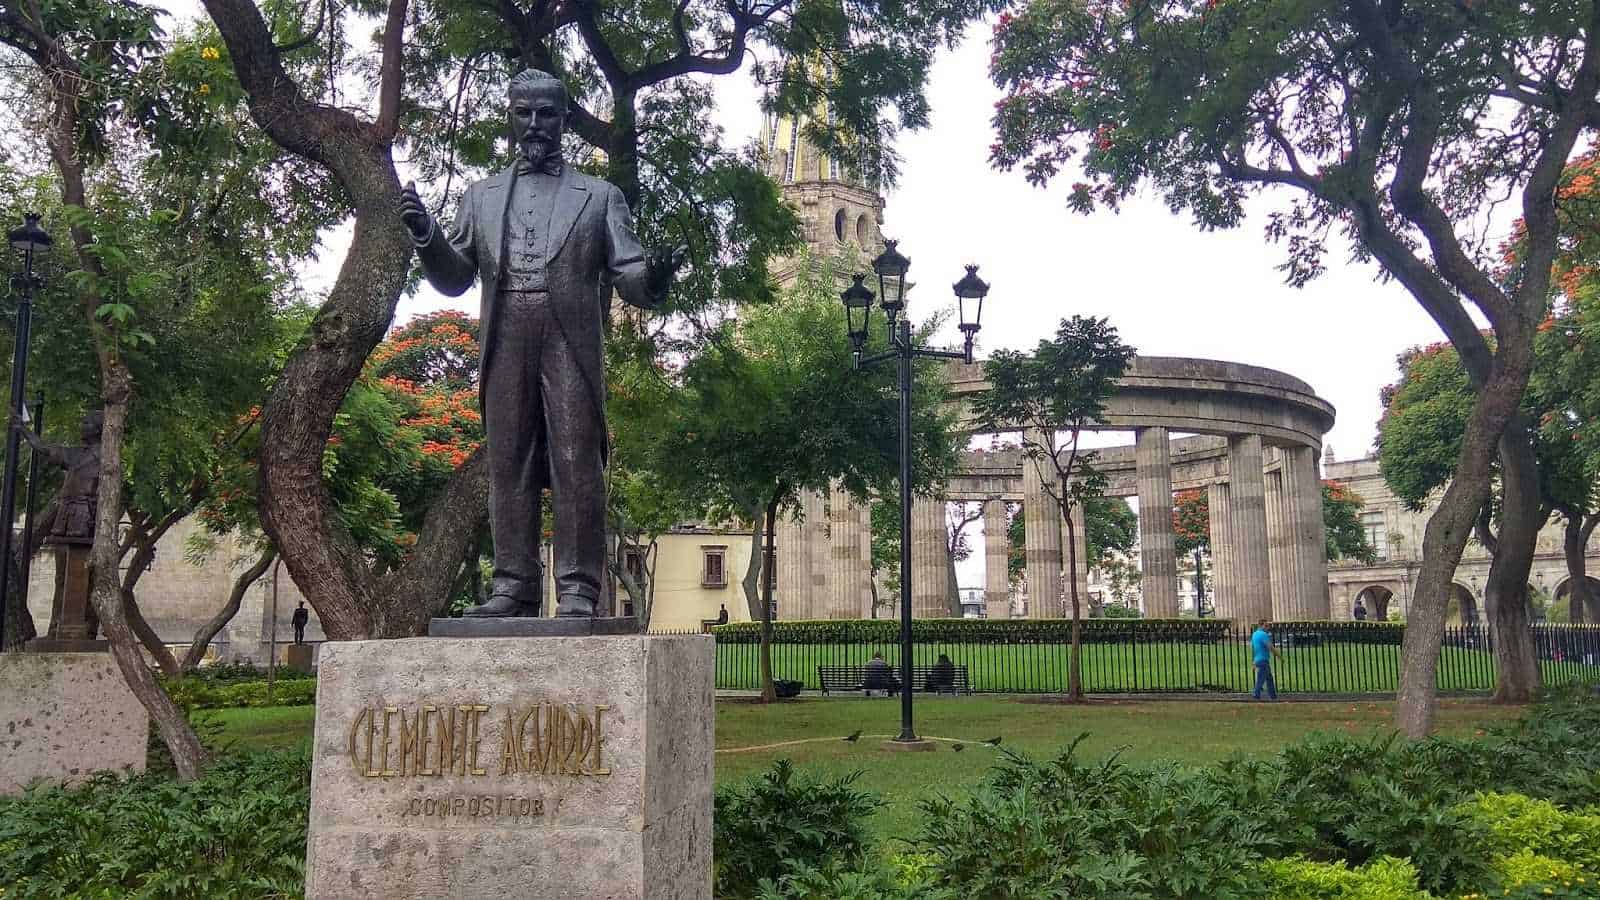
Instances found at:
x=575 y=607
x=502 y=606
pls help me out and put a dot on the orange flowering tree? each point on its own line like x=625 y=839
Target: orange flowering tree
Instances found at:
x=1191 y=522
x=406 y=425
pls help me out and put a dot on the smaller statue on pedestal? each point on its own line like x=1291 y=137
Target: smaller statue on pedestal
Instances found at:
x=71 y=531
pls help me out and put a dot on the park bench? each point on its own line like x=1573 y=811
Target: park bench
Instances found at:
x=853 y=678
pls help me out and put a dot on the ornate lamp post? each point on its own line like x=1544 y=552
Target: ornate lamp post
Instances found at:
x=28 y=239
x=891 y=268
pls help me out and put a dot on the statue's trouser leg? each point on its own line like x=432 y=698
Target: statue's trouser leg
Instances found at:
x=576 y=430
x=512 y=422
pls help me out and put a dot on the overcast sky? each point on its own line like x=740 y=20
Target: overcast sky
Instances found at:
x=1170 y=288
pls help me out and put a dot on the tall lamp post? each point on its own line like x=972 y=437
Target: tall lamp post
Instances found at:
x=891 y=268
x=27 y=239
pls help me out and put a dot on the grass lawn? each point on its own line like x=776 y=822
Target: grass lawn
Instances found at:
x=1144 y=731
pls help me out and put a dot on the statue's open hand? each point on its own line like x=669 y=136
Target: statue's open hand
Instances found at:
x=664 y=265
x=413 y=213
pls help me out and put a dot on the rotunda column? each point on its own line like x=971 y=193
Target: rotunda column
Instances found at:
x=930 y=549
x=1221 y=525
x=996 y=560
x=1157 y=559
x=1252 y=585
x=1042 y=537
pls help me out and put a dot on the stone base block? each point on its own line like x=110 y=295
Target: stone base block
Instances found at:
x=65 y=716
x=539 y=768
x=532 y=626
x=299 y=657
x=919 y=746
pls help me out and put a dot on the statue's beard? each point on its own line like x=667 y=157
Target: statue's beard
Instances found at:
x=536 y=149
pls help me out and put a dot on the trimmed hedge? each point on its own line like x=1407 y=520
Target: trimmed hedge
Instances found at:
x=194 y=693
x=1048 y=631
x=979 y=631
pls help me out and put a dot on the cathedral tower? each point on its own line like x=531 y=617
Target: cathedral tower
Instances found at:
x=824 y=564
x=838 y=209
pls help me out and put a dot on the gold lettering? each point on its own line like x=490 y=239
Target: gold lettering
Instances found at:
x=532 y=752
x=372 y=737
x=447 y=742
x=552 y=739
x=408 y=745
x=569 y=741
x=473 y=714
x=355 y=728
x=599 y=740
x=580 y=744
x=422 y=741
x=511 y=747
x=383 y=758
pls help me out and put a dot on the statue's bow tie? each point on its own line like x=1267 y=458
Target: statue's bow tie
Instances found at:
x=550 y=165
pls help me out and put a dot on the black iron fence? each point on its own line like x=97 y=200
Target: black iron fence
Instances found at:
x=1143 y=656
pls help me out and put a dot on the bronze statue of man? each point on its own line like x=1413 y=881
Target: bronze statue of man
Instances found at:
x=549 y=244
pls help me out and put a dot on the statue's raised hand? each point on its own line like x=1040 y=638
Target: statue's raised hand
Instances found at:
x=664 y=265
x=414 y=214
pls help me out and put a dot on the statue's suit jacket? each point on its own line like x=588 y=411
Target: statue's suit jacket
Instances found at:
x=590 y=249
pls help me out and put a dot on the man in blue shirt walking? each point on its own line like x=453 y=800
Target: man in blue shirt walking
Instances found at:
x=1262 y=650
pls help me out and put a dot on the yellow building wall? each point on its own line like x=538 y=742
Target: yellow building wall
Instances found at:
x=681 y=600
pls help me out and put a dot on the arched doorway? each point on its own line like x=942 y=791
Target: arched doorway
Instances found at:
x=1567 y=605
x=1463 y=607
x=1375 y=599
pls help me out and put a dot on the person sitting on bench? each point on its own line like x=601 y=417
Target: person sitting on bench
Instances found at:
x=943 y=676
x=878 y=676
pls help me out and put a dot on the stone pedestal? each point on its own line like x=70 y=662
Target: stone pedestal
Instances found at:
x=299 y=657
x=528 y=767
x=65 y=716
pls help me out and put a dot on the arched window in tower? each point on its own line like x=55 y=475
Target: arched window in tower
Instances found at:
x=772 y=135
x=863 y=232
x=839 y=220
x=794 y=149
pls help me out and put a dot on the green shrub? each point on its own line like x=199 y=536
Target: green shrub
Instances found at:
x=1518 y=823
x=1065 y=829
x=1384 y=878
x=195 y=693
x=780 y=824
x=239 y=831
x=1525 y=874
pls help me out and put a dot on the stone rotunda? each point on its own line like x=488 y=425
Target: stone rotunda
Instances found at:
x=1254 y=446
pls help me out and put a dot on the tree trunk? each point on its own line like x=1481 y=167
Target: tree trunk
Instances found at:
x=1450 y=527
x=751 y=582
x=208 y=631
x=1575 y=541
x=19 y=621
x=1075 y=655
x=769 y=691
x=1506 y=593
x=116 y=390
x=296 y=510
x=187 y=754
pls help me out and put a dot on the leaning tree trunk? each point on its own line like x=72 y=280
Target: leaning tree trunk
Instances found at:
x=1449 y=528
x=65 y=80
x=1506 y=594
x=208 y=631
x=297 y=511
x=188 y=755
